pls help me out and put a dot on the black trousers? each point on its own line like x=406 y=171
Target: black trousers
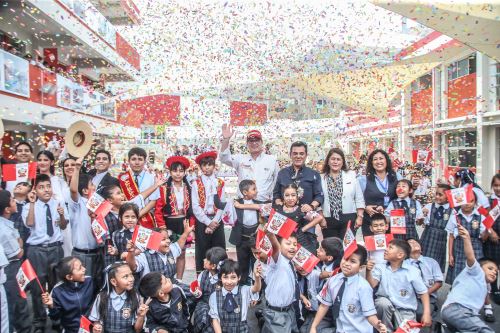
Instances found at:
x=337 y=228
x=43 y=259
x=19 y=316
x=204 y=242
x=244 y=253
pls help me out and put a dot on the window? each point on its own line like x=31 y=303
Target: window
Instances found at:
x=462 y=149
x=422 y=83
x=462 y=68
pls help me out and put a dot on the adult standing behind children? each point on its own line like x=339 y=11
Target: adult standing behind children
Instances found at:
x=256 y=165
x=100 y=174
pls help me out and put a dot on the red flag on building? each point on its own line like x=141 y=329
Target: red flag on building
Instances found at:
x=280 y=224
x=460 y=196
x=20 y=172
x=145 y=238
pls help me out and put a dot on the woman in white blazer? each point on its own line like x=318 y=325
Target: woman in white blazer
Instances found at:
x=344 y=199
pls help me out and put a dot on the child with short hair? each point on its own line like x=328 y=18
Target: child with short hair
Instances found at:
x=282 y=288
x=378 y=226
x=45 y=217
x=435 y=236
x=412 y=208
x=430 y=273
x=399 y=286
x=491 y=247
x=350 y=298
x=168 y=310
x=20 y=194
x=229 y=304
x=470 y=219
x=209 y=230
x=460 y=311
x=118 y=307
x=208 y=282
x=73 y=285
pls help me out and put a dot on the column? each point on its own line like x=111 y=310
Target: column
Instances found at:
x=482 y=75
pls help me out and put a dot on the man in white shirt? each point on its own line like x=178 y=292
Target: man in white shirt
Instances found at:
x=100 y=175
x=256 y=165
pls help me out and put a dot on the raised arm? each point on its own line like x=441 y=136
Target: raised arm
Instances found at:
x=276 y=245
x=73 y=185
x=468 y=249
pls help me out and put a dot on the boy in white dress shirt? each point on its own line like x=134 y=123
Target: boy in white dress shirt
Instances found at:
x=350 y=298
x=45 y=217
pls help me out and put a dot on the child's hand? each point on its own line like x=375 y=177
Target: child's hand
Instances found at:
x=79 y=163
x=493 y=236
x=47 y=300
x=97 y=328
x=381 y=327
x=370 y=265
x=307 y=303
x=257 y=270
x=112 y=251
x=451 y=261
x=130 y=246
x=236 y=204
x=426 y=320
x=213 y=225
x=32 y=196
x=143 y=308
x=323 y=224
x=187 y=228
x=60 y=211
x=462 y=232
x=160 y=180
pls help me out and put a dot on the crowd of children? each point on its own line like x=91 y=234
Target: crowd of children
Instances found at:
x=118 y=286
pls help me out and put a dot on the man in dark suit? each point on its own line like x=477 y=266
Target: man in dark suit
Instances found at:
x=100 y=175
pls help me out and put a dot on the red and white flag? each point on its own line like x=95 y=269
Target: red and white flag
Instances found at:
x=489 y=217
x=378 y=242
x=280 y=224
x=409 y=326
x=460 y=196
x=325 y=287
x=85 y=324
x=98 y=205
x=195 y=289
x=24 y=276
x=421 y=156
x=145 y=238
x=20 y=172
x=305 y=259
x=263 y=243
x=99 y=228
x=349 y=243
x=398 y=221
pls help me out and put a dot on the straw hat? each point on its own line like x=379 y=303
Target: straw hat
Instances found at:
x=79 y=139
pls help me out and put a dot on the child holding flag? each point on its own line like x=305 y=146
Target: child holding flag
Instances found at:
x=492 y=246
x=73 y=285
x=350 y=298
x=377 y=243
x=470 y=219
x=128 y=216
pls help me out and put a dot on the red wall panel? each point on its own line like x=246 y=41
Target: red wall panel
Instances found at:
x=124 y=49
x=150 y=110
x=462 y=96
x=421 y=106
x=247 y=114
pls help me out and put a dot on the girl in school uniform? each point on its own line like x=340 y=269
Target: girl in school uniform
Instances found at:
x=128 y=216
x=208 y=282
x=174 y=205
x=470 y=219
x=306 y=235
x=118 y=308
x=229 y=304
x=435 y=236
x=492 y=246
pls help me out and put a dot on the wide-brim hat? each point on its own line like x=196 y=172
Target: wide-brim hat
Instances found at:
x=79 y=139
x=212 y=154
x=178 y=159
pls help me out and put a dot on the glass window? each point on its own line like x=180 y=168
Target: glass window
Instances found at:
x=462 y=149
x=463 y=67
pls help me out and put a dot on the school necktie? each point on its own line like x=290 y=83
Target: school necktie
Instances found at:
x=418 y=262
x=229 y=303
x=438 y=214
x=338 y=299
x=128 y=234
x=136 y=179
x=50 y=227
x=404 y=204
x=297 y=288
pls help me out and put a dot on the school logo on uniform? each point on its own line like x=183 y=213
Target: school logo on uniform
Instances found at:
x=179 y=306
x=126 y=312
x=237 y=310
x=475 y=224
x=412 y=210
x=351 y=308
x=431 y=282
x=217 y=287
x=403 y=292
x=171 y=260
x=446 y=216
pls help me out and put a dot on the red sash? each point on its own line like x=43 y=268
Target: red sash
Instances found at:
x=131 y=190
x=201 y=191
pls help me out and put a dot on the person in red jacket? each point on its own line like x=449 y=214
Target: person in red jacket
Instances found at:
x=174 y=205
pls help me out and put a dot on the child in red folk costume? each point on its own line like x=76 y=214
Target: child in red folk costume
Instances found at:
x=174 y=205
x=209 y=230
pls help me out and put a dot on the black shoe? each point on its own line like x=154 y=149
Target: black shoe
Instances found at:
x=489 y=317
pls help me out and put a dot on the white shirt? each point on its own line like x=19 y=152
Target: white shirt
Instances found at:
x=352 y=196
x=59 y=187
x=263 y=170
x=117 y=302
x=200 y=213
x=431 y=271
x=98 y=177
x=280 y=282
x=38 y=234
x=418 y=207
x=81 y=230
x=146 y=180
x=452 y=227
x=179 y=197
x=249 y=216
x=427 y=219
x=142 y=261
x=246 y=297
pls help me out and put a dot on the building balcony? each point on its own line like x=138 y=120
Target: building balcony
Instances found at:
x=119 y=12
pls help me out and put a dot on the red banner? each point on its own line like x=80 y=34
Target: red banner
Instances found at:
x=150 y=110
x=247 y=114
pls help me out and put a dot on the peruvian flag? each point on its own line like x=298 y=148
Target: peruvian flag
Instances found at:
x=280 y=224
x=85 y=324
x=409 y=326
x=20 y=172
x=494 y=203
x=195 y=289
x=145 y=238
x=460 y=196
x=350 y=244
x=263 y=243
x=398 y=221
x=421 y=156
x=490 y=217
x=305 y=259
x=99 y=228
x=98 y=205
x=24 y=276
x=377 y=242
x=325 y=287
